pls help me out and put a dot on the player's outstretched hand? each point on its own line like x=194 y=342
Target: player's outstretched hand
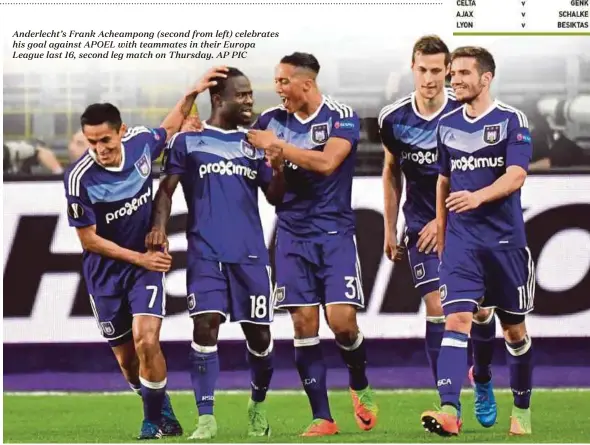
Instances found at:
x=192 y=123
x=462 y=201
x=427 y=238
x=156 y=261
x=392 y=249
x=208 y=79
x=263 y=139
x=156 y=240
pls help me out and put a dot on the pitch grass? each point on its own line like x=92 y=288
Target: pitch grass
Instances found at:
x=558 y=417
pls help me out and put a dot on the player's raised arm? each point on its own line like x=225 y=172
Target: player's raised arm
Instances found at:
x=345 y=133
x=323 y=162
x=173 y=167
x=174 y=120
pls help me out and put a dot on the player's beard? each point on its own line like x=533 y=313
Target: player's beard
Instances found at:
x=473 y=93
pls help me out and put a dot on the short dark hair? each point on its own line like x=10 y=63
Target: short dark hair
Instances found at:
x=101 y=113
x=430 y=45
x=302 y=60
x=483 y=58
x=222 y=81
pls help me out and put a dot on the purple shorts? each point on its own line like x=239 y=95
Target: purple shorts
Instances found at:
x=146 y=295
x=311 y=273
x=241 y=293
x=472 y=278
x=424 y=266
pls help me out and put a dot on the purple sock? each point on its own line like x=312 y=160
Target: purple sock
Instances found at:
x=483 y=336
x=452 y=367
x=312 y=371
x=520 y=362
x=355 y=357
x=204 y=372
x=435 y=328
x=261 y=370
x=166 y=406
x=153 y=394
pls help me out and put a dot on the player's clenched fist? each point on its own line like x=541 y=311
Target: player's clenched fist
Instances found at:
x=156 y=240
x=275 y=158
x=392 y=249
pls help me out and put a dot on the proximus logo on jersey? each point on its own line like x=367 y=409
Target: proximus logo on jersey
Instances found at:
x=227 y=168
x=420 y=157
x=471 y=163
x=129 y=207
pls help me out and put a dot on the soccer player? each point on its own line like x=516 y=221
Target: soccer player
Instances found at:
x=109 y=199
x=484 y=152
x=228 y=276
x=408 y=133
x=316 y=261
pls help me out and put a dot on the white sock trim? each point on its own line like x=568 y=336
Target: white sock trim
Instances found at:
x=355 y=345
x=261 y=354
x=522 y=350
x=454 y=343
x=153 y=385
x=135 y=389
x=487 y=320
x=436 y=320
x=203 y=349
x=302 y=342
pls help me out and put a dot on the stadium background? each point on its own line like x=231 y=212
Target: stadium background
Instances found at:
x=52 y=343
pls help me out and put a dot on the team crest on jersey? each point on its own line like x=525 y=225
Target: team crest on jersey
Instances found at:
x=143 y=166
x=191 y=302
x=491 y=134
x=280 y=294
x=248 y=150
x=443 y=292
x=319 y=133
x=419 y=271
x=75 y=210
x=107 y=327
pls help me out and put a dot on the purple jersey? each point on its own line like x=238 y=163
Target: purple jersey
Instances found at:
x=220 y=176
x=411 y=138
x=474 y=153
x=118 y=200
x=316 y=205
